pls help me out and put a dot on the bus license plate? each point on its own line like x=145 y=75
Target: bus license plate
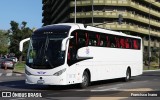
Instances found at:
x=40 y=81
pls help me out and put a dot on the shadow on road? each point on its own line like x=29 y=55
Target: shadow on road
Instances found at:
x=58 y=91
x=20 y=85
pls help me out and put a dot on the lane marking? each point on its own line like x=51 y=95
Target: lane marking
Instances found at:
x=120 y=84
x=1 y=74
x=18 y=74
x=151 y=70
x=140 y=81
x=9 y=74
x=17 y=99
x=101 y=87
x=105 y=89
x=81 y=90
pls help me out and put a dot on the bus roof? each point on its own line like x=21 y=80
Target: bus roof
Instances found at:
x=91 y=28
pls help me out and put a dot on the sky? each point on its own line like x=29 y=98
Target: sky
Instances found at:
x=20 y=10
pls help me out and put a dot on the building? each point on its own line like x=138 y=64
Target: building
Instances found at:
x=135 y=17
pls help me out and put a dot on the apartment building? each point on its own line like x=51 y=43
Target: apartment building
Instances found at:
x=139 y=17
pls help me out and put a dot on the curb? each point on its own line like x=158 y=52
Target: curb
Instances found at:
x=151 y=70
x=18 y=72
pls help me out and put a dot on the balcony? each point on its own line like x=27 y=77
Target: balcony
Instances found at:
x=114 y=14
x=155 y=3
x=152 y=43
x=129 y=27
x=98 y=2
x=117 y=3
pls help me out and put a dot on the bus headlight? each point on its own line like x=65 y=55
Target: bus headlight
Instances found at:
x=60 y=72
x=27 y=72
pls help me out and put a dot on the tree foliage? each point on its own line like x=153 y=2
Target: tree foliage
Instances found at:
x=19 y=32
x=3 y=42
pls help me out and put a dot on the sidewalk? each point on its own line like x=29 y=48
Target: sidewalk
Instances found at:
x=151 y=70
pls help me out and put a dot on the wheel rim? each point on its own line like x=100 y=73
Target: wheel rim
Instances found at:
x=127 y=76
x=84 y=80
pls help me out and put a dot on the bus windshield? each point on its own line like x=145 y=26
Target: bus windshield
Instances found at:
x=45 y=52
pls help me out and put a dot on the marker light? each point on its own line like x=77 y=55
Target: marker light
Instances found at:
x=60 y=72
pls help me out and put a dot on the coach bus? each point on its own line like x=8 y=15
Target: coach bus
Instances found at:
x=63 y=54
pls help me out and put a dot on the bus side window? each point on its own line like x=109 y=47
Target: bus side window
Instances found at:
x=107 y=41
x=130 y=43
x=98 y=39
x=117 y=42
x=76 y=36
x=112 y=40
x=72 y=49
x=135 y=44
x=87 y=39
x=103 y=41
x=139 y=44
x=127 y=43
x=81 y=40
x=92 y=39
x=122 y=43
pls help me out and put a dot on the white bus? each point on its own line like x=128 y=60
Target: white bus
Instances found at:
x=63 y=54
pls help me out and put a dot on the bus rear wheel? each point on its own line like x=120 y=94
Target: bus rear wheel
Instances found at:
x=85 y=80
x=128 y=75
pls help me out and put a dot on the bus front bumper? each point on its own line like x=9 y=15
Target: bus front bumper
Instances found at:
x=45 y=80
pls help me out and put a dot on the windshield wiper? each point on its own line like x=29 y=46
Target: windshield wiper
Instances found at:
x=45 y=50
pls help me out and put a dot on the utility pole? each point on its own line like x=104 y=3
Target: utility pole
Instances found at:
x=92 y=13
x=75 y=12
x=149 y=41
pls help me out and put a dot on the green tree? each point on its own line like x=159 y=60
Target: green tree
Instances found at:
x=19 y=32
x=3 y=42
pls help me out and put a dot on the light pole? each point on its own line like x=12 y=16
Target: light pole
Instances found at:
x=149 y=41
x=75 y=12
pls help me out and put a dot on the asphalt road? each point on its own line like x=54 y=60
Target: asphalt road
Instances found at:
x=146 y=85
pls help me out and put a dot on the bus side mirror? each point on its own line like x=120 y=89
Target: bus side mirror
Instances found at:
x=64 y=43
x=21 y=43
x=84 y=53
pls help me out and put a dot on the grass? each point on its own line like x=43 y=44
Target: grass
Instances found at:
x=150 y=68
x=19 y=66
x=154 y=66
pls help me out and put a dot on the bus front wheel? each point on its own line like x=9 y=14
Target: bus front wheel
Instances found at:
x=85 y=80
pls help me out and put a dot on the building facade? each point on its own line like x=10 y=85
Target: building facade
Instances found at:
x=134 y=17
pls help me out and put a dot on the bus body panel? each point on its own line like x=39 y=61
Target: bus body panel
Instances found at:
x=110 y=63
x=107 y=63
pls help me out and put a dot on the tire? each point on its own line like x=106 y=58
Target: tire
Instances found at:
x=85 y=80
x=128 y=75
